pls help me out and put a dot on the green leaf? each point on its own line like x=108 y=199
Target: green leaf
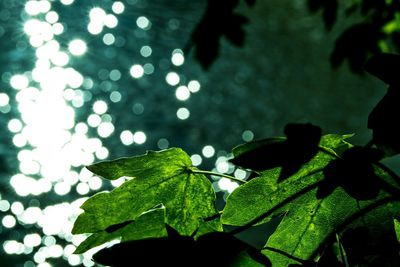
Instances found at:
x=267 y=197
x=163 y=177
x=148 y=225
x=335 y=142
x=397 y=229
x=309 y=220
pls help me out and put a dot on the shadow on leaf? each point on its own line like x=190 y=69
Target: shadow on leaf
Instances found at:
x=354 y=172
x=300 y=146
x=177 y=250
x=363 y=249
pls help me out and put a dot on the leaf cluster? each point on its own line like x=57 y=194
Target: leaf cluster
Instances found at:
x=336 y=204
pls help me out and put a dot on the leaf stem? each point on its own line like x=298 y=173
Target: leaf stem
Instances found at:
x=342 y=251
x=218 y=174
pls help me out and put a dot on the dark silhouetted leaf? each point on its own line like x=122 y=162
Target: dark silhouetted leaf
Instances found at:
x=300 y=146
x=366 y=247
x=355 y=44
x=354 y=172
x=383 y=120
x=163 y=177
x=218 y=20
x=330 y=13
x=176 y=250
x=386 y=67
x=329 y=10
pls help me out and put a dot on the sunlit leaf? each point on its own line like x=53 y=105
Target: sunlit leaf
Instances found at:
x=148 y=225
x=163 y=177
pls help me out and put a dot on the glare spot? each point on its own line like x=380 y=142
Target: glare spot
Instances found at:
x=49 y=240
x=77 y=47
x=223 y=167
x=44 y=6
x=111 y=21
x=31 y=215
x=32 y=240
x=118 y=182
x=240 y=174
x=148 y=68
x=183 y=113
x=82 y=188
x=67 y=2
x=247 y=136
x=146 y=51
x=115 y=96
x=143 y=23
x=118 y=7
x=13 y=247
x=126 y=137
x=100 y=107
x=196 y=159
x=138 y=108
x=208 y=151
x=19 y=81
x=177 y=57
x=194 y=86
x=94 y=120
x=95 y=28
x=136 y=71
x=227 y=185
x=60 y=59
x=4 y=205
x=172 y=78
x=105 y=129
x=95 y=183
x=32 y=8
x=115 y=75
x=39 y=257
x=9 y=221
x=74 y=260
x=52 y=17
x=20 y=140
x=102 y=153
x=97 y=14
x=62 y=188
x=4 y=99
x=15 y=125
x=162 y=143
x=17 y=208
x=139 y=137
x=57 y=28
x=182 y=93
x=55 y=251
x=108 y=39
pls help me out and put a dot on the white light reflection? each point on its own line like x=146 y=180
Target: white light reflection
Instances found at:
x=136 y=71
x=50 y=141
x=77 y=47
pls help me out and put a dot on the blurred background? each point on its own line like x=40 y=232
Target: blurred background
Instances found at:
x=85 y=81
